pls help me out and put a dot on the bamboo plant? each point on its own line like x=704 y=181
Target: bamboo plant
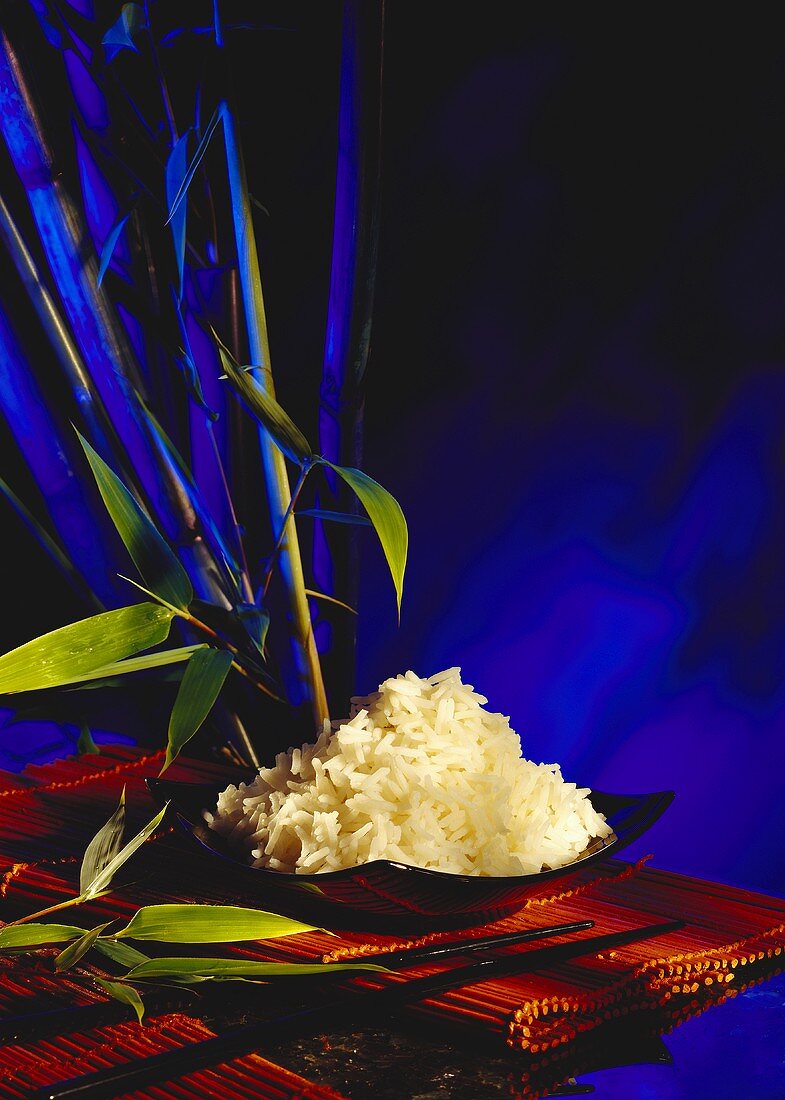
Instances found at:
x=131 y=421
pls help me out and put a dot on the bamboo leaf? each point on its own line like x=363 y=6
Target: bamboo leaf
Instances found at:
x=193 y=384
x=124 y=993
x=112 y=237
x=176 y=168
x=201 y=149
x=104 y=878
x=256 y=621
x=208 y=924
x=334 y=517
x=72 y=652
x=34 y=935
x=201 y=685
x=86 y=746
x=284 y=432
x=387 y=518
x=329 y=599
x=76 y=950
x=104 y=846
x=148 y=660
x=121 y=953
x=185 y=969
x=152 y=556
x=120 y=35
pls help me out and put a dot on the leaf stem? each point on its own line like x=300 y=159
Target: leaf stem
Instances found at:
x=199 y=625
x=45 y=912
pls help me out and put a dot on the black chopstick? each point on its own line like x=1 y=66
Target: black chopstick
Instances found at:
x=349 y=1006
x=84 y=1017
x=437 y=951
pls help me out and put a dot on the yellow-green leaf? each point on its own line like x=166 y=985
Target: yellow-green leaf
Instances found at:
x=121 y=953
x=151 y=554
x=200 y=687
x=33 y=935
x=104 y=846
x=285 y=433
x=198 y=969
x=125 y=994
x=104 y=877
x=387 y=517
x=148 y=660
x=76 y=950
x=208 y=924
x=71 y=653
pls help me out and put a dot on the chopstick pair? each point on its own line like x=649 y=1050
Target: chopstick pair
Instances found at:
x=84 y=1017
x=349 y=1006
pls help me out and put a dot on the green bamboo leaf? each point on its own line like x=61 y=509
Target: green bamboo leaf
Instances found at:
x=201 y=149
x=152 y=556
x=76 y=950
x=121 y=953
x=335 y=517
x=387 y=518
x=34 y=935
x=104 y=877
x=112 y=237
x=125 y=994
x=201 y=685
x=104 y=846
x=284 y=432
x=256 y=621
x=70 y=653
x=208 y=924
x=147 y=660
x=189 y=969
x=86 y=746
x=121 y=34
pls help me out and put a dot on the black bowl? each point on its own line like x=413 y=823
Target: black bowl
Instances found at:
x=385 y=889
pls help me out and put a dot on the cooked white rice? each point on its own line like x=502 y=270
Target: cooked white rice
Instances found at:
x=420 y=773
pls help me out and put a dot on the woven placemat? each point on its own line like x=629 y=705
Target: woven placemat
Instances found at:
x=731 y=938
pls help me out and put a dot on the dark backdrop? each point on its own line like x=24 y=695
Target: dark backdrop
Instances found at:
x=576 y=386
x=577 y=390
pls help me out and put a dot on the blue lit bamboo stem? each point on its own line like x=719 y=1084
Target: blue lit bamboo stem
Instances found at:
x=276 y=477
x=87 y=400
x=109 y=360
x=350 y=308
x=39 y=439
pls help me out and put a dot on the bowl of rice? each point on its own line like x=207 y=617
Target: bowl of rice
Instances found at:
x=420 y=803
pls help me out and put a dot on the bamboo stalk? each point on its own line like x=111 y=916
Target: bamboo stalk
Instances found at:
x=96 y=330
x=350 y=308
x=38 y=436
x=279 y=495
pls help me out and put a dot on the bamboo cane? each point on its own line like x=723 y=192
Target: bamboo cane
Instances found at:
x=350 y=309
x=276 y=477
x=95 y=329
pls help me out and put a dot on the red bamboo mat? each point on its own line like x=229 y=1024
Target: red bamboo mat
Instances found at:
x=47 y=816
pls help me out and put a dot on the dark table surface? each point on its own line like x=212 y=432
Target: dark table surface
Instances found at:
x=735 y=1051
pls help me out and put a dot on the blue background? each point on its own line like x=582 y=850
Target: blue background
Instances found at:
x=577 y=392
